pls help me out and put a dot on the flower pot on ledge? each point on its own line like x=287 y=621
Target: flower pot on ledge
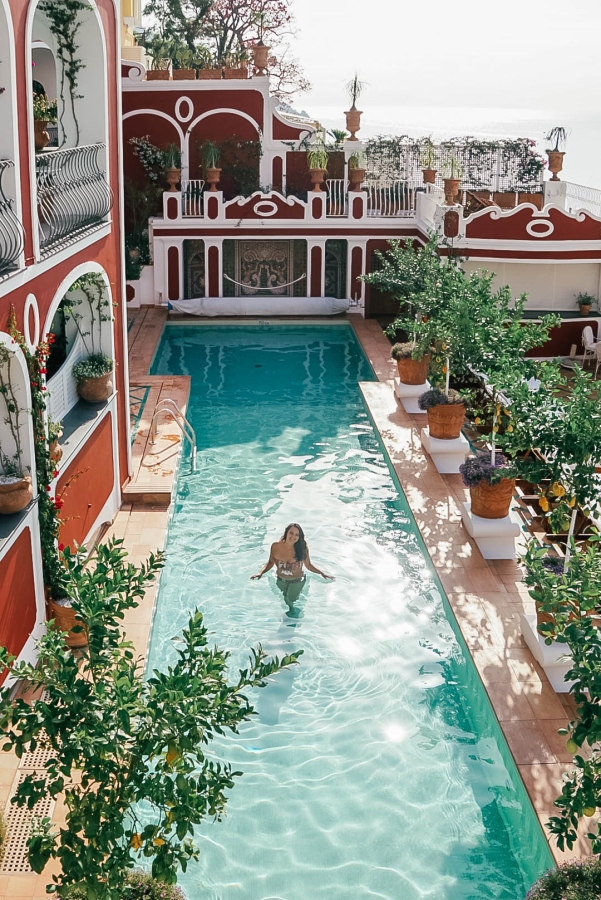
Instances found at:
x=584 y=309
x=492 y=501
x=260 y=54
x=445 y=421
x=40 y=135
x=55 y=451
x=356 y=178
x=241 y=72
x=555 y=162
x=429 y=176
x=209 y=74
x=317 y=179
x=353 y=122
x=212 y=178
x=15 y=495
x=414 y=371
x=172 y=177
x=64 y=617
x=451 y=189
x=96 y=390
x=157 y=75
x=184 y=74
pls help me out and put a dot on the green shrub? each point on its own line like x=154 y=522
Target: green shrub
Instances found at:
x=136 y=886
x=570 y=881
x=93 y=366
x=435 y=397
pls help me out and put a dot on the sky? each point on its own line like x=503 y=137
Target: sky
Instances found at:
x=516 y=67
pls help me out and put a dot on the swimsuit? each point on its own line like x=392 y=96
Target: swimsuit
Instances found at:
x=285 y=570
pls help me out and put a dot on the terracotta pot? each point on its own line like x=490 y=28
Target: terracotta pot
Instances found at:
x=555 y=162
x=172 y=177
x=353 y=122
x=492 y=501
x=64 y=618
x=184 y=74
x=317 y=177
x=356 y=178
x=445 y=421
x=157 y=75
x=260 y=56
x=414 y=371
x=15 y=497
x=451 y=189
x=585 y=309
x=241 y=72
x=95 y=390
x=535 y=199
x=429 y=176
x=212 y=176
x=56 y=452
x=40 y=135
x=209 y=74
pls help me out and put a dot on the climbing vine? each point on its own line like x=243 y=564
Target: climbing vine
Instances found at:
x=64 y=23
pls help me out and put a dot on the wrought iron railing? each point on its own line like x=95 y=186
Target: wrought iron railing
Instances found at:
x=192 y=198
x=11 y=230
x=390 y=198
x=337 y=204
x=580 y=197
x=73 y=194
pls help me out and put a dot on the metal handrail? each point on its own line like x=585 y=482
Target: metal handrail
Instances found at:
x=11 y=230
x=170 y=406
x=192 y=199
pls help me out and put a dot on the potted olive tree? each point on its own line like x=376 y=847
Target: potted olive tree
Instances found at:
x=15 y=486
x=44 y=112
x=94 y=373
x=557 y=137
x=317 y=160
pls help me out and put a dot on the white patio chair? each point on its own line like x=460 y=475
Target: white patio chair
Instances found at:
x=592 y=348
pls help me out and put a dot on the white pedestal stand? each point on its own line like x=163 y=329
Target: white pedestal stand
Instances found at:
x=495 y=537
x=447 y=456
x=555 y=660
x=408 y=394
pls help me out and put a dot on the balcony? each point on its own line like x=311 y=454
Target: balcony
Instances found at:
x=73 y=195
x=11 y=230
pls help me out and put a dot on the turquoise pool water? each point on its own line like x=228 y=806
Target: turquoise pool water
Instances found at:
x=375 y=768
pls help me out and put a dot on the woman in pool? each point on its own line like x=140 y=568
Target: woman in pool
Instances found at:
x=289 y=555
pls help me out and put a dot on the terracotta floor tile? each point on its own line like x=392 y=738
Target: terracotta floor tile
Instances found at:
x=557 y=742
x=21 y=886
x=492 y=666
x=543 y=700
x=527 y=742
x=509 y=703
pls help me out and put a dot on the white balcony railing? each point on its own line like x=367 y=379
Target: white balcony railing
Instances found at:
x=580 y=197
x=337 y=204
x=192 y=205
x=390 y=198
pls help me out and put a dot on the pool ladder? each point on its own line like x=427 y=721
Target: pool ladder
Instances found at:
x=180 y=420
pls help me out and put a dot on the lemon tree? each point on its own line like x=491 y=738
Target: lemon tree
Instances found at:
x=118 y=740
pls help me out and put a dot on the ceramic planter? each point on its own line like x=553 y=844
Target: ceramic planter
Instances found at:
x=414 y=371
x=184 y=74
x=212 y=176
x=356 y=178
x=95 y=390
x=172 y=176
x=242 y=72
x=56 y=453
x=64 y=616
x=40 y=135
x=353 y=122
x=15 y=496
x=429 y=176
x=317 y=177
x=555 y=162
x=445 y=421
x=260 y=56
x=492 y=501
x=157 y=75
x=585 y=309
x=451 y=189
x=209 y=74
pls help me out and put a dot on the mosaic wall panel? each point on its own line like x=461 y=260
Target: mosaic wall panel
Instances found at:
x=264 y=268
x=194 y=269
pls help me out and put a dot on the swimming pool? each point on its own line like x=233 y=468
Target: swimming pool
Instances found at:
x=376 y=767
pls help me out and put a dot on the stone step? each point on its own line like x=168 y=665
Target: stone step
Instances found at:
x=146 y=495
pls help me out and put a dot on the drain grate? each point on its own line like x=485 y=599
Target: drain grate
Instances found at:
x=18 y=831
x=36 y=759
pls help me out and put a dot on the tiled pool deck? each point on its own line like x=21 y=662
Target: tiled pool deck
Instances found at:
x=487 y=597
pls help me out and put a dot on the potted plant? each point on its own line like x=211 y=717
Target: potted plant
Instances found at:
x=584 y=302
x=317 y=160
x=573 y=880
x=412 y=364
x=491 y=484
x=453 y=171
x=236 y=65
x=429 y=161
x=93 y=377
x=183 y=65
x=44 y=111
x=209 y=72
x=356 y=171
x=15 y=487
x=55 y=432
x=211 y=154
x=173 y=166
x=260 y=54
x=557 y=136
x=159 y=53
x=446 y=412
x=353 y=115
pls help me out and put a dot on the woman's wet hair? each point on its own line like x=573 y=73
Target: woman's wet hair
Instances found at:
x=300 y=548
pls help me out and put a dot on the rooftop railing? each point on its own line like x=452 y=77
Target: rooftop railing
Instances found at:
x=390 y=198
x=11 y=230
x=73 y=195
x=192 y=206
x=580 y=197
x=337 y=203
